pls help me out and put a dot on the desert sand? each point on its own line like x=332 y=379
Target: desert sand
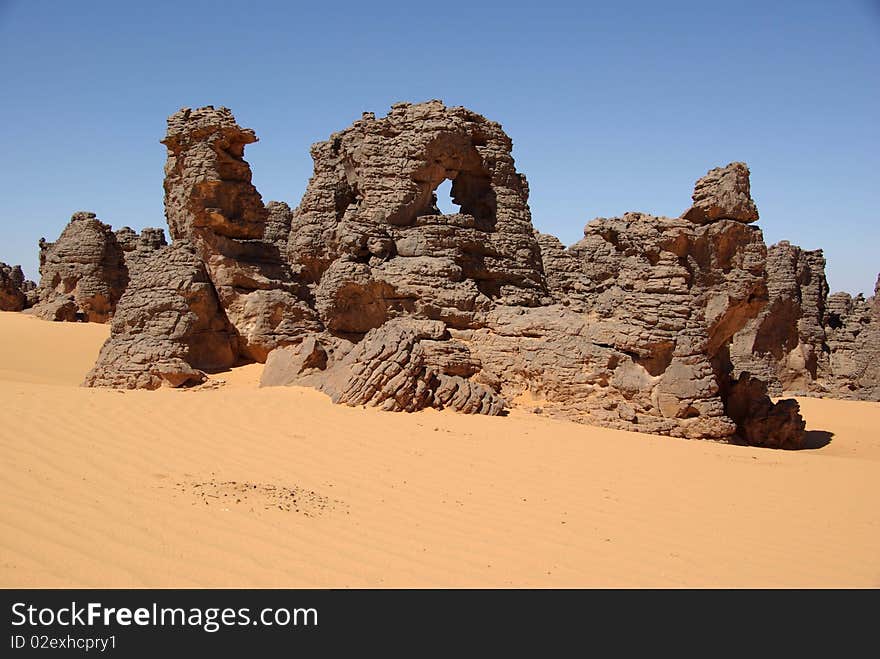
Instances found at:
x=234 y=485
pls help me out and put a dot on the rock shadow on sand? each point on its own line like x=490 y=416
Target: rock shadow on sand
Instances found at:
x=816 y=439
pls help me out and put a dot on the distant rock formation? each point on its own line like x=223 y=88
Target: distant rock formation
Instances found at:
x=84 y=273
x=853 y=338
x=16 y=292
x=367 y=292
x=806 y=342
x=784 y=344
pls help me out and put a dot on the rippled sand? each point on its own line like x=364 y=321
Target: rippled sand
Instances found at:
x=241 y=486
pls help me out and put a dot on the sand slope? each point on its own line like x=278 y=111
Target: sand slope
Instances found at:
x=238 y=486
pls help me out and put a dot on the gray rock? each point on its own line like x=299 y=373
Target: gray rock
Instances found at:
x=85 y=267
x=168 y=328
x=84 y=273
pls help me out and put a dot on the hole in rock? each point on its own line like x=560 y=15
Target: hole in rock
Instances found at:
x=444 y=199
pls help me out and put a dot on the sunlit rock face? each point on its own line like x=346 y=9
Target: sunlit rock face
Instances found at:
x=368 y=292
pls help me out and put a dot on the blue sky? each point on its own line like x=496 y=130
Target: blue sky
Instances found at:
x=611 y=106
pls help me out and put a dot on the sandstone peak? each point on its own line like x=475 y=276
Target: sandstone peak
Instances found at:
x=723 y=194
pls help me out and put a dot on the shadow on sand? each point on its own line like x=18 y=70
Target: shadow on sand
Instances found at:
x=814 y=439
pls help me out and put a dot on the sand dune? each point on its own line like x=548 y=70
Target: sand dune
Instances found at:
x=238 y=486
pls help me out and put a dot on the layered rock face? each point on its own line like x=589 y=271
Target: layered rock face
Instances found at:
x=646 y=307
x=367 y=292
x=629 y=328
x=210 y=201
x=403 y=366
x=805 y=341
x=370 y=240
x=723 y=194
x=784 y=345
x=167 y=327
x=853 y=339
x=16 y=293
x=84 y=273
x=146 y=241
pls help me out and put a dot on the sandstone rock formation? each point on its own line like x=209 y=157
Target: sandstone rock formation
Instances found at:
x=784 y=345
x=84 y=273
x=369 y=237
x=15 y=291
x=805 y=341
x=629 y=328
x=853 y=339
x=367 y=292
x=723 y=194
x=210 y=201
x=32 y=293
x=403 y=366
x=645 y=309
x=167 y=327
x=278 y=220
x=758 y=420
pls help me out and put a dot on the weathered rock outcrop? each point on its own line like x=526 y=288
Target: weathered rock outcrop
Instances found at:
x=853 y=339
x=723 y=194
x=210 y=201
x=32 y=293
x=14 y=289
x=403 y=366
x=278 y=220
x=148 y=240
x=138 y=248
x=168 y=326
x=646 y=307
x=760 y=421
x=84 y=273
x=629 y=328
x=806 y=342
x=367 y=292
x=784 y=345
x=368 y=236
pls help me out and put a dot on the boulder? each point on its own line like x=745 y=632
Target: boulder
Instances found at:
x=723 y=194
x=169 y=327
x=13 y=288
x=84 y=271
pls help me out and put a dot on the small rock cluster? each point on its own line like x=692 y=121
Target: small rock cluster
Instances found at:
x=16 y=292
x=84 y=273
x=258 y=497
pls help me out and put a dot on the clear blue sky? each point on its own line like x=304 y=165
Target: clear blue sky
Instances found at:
x=612 y=106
